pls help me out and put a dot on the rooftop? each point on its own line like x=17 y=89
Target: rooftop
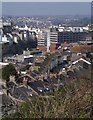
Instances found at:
x=82 y=49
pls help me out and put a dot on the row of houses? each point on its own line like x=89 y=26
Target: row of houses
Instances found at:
x=29 y=88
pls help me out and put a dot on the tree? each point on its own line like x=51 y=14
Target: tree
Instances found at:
x=7 y=71
x=73 y=100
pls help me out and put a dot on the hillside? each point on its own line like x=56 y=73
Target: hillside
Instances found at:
x=71 y=101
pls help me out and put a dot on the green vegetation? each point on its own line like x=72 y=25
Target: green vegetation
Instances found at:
x=17 y=48
x=70 y=101
x=7 y=71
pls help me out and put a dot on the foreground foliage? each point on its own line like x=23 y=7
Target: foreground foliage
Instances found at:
x=70 y=101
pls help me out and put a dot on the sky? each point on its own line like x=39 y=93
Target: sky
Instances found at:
x=46 y=8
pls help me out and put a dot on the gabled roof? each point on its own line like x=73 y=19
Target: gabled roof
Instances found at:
x=81 y=59
x=21 y=93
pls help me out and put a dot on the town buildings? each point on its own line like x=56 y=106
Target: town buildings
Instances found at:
x=61 y=56
x=58 y=35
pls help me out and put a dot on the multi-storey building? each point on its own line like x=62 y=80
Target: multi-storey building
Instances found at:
x=71 y=37
x=54 y=37
x=7 y=27
x=44 y=40
x=68 y=34
x=50 y=40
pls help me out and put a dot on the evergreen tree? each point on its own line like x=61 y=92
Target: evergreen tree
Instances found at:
x=7 y=71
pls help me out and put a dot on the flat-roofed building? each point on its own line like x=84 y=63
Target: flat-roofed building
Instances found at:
x=71 y=37
x=44 y=40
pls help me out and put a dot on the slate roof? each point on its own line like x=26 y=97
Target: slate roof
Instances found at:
x=41 y=86
x=22 y=93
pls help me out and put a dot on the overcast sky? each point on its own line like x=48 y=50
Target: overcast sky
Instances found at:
x=46 y=8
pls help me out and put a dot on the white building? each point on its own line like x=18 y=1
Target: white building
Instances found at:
x=44 y=39
x=4 y=39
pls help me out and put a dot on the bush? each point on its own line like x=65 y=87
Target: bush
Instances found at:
x=7 y=71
